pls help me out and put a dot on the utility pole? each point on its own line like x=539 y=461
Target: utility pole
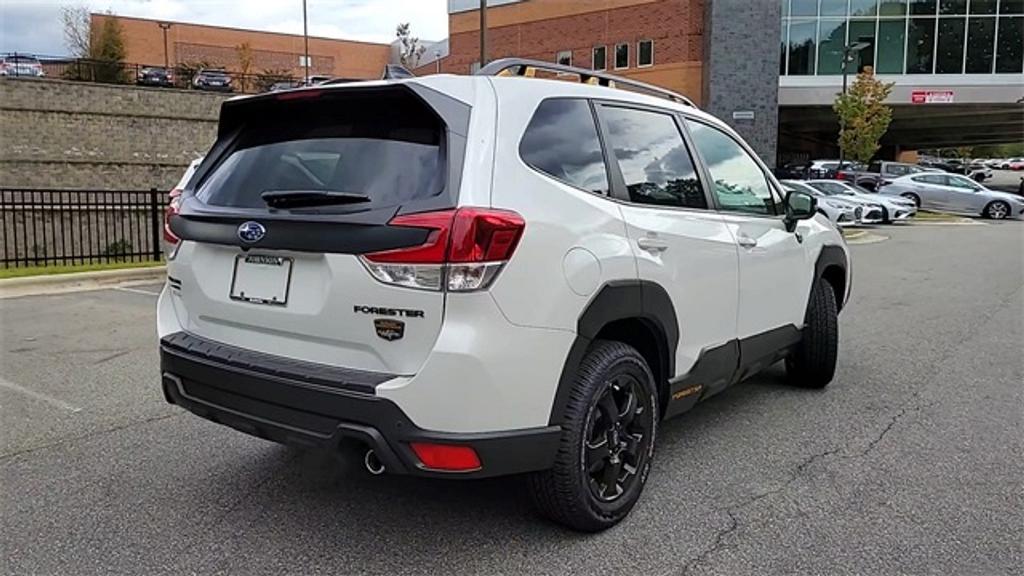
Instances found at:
x=165 y=26
x=305 y=40
x=483 y=33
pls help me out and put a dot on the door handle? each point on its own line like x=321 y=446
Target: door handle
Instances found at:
x=651 y=245
x=746 y=241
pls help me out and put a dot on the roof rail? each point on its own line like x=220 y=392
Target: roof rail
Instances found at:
x=523 y=66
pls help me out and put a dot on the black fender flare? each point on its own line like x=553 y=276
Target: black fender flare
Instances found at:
x=620 y=300
x=830 y=256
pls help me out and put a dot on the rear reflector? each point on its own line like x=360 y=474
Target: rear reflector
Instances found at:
x=446 y=457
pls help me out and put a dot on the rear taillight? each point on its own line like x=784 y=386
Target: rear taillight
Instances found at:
x=464 y=251
x=171 y=210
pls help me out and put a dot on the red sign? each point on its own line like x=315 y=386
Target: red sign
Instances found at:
x=931 y=97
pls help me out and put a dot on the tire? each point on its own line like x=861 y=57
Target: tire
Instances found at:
x=570 y=493
x=997 y=210
x=813 y=363
x=885 y=216
x=914 y=197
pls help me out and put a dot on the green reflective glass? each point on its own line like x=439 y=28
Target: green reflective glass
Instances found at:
x=863 y=31
x=833 y=7
x=831 y=40
x=863 y=7
x=890 y=46
x=984 y=6
x=802 y=41
x=893 y=8
x=981 y=36
x=923 y=7
x=920 y=45
x=804 y=8
x=1010 y=47
x=950 y=56
x=952 y=7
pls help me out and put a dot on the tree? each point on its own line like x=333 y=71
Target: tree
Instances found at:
x=863 y=116
x=77 y=37
x=245 y=60
x=108 y=48
x=410 y=49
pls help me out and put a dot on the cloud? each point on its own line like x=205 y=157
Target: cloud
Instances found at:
x=35 y=26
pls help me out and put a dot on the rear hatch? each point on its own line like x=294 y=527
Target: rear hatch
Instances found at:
x=299 y=187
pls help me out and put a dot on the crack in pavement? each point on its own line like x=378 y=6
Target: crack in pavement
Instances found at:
x=4 y=458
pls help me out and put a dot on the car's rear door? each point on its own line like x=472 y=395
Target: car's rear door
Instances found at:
x=679 y=243
x=933 y=189
x=288 y=277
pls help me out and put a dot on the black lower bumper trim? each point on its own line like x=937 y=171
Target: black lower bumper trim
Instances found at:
x=292 y=411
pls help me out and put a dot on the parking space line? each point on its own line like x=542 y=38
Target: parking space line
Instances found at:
x=6 y=384
x=135 y=291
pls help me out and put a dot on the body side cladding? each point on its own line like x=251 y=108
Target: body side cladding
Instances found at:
x=621 y=300
x=722 y=366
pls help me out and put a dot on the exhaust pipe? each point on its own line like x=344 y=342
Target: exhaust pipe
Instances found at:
x=373 y=464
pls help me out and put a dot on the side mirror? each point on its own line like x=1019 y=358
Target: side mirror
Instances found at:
x=799 y=206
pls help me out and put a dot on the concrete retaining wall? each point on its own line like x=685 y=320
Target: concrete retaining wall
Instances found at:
x=57 y=134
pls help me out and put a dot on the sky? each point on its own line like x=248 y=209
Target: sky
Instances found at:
x=34 y=26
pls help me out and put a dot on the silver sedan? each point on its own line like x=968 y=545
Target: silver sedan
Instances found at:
x=955 y=193
x=894 y=209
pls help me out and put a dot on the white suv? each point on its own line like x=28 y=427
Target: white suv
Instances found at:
x=487 y=275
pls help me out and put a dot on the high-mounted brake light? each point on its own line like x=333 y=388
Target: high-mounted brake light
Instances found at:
x=464 y=250
x=171 y=210
x=299 y=95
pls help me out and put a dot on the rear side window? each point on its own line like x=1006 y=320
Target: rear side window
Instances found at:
x=561 y=141
x=388 y=148
x=649 y=150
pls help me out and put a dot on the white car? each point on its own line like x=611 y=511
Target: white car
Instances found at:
x=892 y=209
x=472 y=276
x=838 y=212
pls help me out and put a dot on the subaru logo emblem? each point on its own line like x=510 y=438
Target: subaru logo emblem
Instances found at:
x=251 y=232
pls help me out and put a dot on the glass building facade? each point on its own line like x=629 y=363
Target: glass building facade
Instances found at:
x=903 y=36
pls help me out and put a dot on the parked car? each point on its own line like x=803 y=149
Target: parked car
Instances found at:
x=21 y=65
x=893 y=209
x=316 y=79
x=878 y=174
x=407 y=280
x=838 y=212
x=977 y=172
x=154 y=76
x=827 y=169
x=212 y=79
x=995 y=163
x=284 y=85
x=1014 y=164
x=792 y=170
x=957 y=194
x=872 y=211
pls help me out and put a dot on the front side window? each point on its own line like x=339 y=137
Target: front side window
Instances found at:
x=645 y=53
x=739 y=183
x=561 y=141
x=621 y=56
x=964 y=183
x=650 y=152
x=600 y=58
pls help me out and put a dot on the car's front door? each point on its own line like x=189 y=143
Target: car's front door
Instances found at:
x=678 y=242
x=963 y=196
x=775 y=274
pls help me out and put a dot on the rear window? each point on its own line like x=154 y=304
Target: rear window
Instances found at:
x=388 y=148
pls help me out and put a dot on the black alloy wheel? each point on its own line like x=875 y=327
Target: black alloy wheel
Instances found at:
x=618 y=436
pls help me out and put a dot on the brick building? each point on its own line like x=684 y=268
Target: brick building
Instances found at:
x=271 y=51
x=720 y=54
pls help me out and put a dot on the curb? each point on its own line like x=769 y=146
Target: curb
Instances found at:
x=79 y=281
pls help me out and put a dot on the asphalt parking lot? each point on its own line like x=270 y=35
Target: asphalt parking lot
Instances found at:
x=910 y=463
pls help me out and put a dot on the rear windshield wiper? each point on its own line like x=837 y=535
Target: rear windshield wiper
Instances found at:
x=302 y=198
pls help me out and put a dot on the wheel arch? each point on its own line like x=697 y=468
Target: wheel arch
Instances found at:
x=636 y=312
x=833 y=265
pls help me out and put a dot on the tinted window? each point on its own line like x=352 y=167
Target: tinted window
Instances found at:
x=653 y=158
x=961 y=182
x=387 y=148
x=740 y=184
x=830 y=188
x=561 y=141
x=622 y=55
x=937 y=179
x=600 y=57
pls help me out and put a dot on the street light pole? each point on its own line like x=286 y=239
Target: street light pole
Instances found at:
x=305 y=40
x=165 y=26
x=483 y=33
x=848 y=51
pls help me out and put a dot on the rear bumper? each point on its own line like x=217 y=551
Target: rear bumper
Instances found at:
x=298 y=407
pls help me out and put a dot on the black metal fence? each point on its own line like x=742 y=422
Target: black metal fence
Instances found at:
x=69 y=227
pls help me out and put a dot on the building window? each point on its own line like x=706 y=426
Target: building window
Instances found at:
x=600 y=58
x=621 y=56
x=645 y=53
x=863 y=7
x=305 y=61
x=831 y=40
x=862 y=31
x=920 y=45
x=802 y=47
x=564 y=58
x=474 y=67
x=981 y=37
x=891 y=41
x=1010 y=50
x=950 y=57
x=923 y=7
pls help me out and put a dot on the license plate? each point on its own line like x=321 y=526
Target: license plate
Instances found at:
x=261 y=279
